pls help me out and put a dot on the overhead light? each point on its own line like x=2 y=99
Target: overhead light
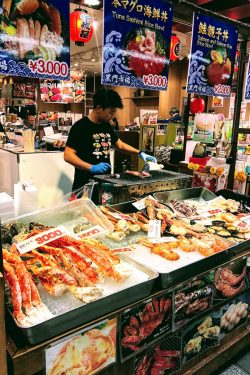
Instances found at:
x=93 y=56
x=76 y=64
x=92 y=2
x=93 y=59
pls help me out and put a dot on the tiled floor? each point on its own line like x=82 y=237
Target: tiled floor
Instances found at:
x=239 y=366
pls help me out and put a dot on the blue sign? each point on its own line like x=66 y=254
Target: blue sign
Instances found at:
x=211 y=64
x=34 y=39
x=137 y=37
x=247 y=89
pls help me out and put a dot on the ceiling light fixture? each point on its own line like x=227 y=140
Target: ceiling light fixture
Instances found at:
x=76 y=64
x=92 y=2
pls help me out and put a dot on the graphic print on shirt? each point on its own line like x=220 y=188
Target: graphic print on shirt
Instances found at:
x=102 y=143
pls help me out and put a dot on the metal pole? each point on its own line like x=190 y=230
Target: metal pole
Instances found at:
x=237 y=109
x=185 y=123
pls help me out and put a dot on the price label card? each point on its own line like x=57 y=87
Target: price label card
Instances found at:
x=246 y=219
x=120 y=216
x=95 y=231
x=154 y=229
x=41 y=239
x=163 y=240
x=140 y=205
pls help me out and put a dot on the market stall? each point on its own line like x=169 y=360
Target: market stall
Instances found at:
x=146 y=301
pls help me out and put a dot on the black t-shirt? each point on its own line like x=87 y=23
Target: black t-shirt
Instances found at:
x=92 y=143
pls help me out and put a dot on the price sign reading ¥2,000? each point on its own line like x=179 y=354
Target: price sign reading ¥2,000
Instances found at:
x=41 y=239
x=42 y=66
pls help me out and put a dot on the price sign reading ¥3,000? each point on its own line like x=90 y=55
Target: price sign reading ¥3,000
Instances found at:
x=48 y=67
x=41 y=239
x=155 y=81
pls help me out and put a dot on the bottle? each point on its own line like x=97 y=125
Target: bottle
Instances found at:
x=107 y=196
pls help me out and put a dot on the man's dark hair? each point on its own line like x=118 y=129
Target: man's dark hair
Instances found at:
x=107 y=98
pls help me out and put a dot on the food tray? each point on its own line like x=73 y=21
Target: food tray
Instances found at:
x=199 y=193
x=67 y=213
x=72 y=313
x=177 y=271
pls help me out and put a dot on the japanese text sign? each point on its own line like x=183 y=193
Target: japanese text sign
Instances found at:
x=34 y=40
x=247 y=89
x=213 y=50
x=137 y=36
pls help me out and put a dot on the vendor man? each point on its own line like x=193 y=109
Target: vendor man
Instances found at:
x=90 y=139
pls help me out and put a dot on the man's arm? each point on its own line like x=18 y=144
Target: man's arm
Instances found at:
x=71 y=158
x=124 y=147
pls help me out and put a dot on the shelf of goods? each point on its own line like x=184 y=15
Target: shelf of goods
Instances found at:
x=122 y=301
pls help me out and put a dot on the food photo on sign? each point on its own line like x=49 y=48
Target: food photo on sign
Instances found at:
x=137 y=40
x=192 y=298
x=213 y=51
x=162 y=358
x=142 y=324
x=200 y=336
x=231 y=279
x=86 y=352
x=234 y=314
x=34 y=40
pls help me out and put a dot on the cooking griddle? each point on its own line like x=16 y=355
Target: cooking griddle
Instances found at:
x=127 y=179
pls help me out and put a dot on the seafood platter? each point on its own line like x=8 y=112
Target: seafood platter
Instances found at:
x=135 y=184
x=57 y=278
x=202 y=229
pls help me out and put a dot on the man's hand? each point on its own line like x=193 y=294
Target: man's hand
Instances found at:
x=100 y=168
x=146 y=157
x=59 y=143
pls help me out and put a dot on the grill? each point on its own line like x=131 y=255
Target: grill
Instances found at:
x=127 y=186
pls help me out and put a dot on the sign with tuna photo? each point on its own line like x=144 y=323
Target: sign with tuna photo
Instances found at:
x=34 y=38
x=137 y=36
x=213 y=51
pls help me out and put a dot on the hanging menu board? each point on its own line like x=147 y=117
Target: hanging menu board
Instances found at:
x=213 y=51
x=56 y=91
x=137 y=40
x=247 y=89
x=34 y=39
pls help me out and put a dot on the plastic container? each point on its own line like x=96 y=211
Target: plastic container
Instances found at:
x=107 y=195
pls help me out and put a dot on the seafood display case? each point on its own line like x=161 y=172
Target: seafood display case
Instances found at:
x=126 y=186
x=75 y=279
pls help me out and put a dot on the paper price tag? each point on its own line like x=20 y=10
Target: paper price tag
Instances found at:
x=163 y=240
x=118 y=250
x=41 y=239
x=140 y=205
x=120 y=216
x=154 y=229
x=95 y=231
x=246 y=219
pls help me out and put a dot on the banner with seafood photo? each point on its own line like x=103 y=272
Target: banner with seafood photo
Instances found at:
x=247 y=87
x=85 y=352
x=137 y=36
x=192 y=298
x=34 y=38
x=145 y=323
x=213 y=51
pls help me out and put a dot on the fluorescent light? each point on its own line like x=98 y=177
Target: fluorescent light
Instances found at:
x=92 y=2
